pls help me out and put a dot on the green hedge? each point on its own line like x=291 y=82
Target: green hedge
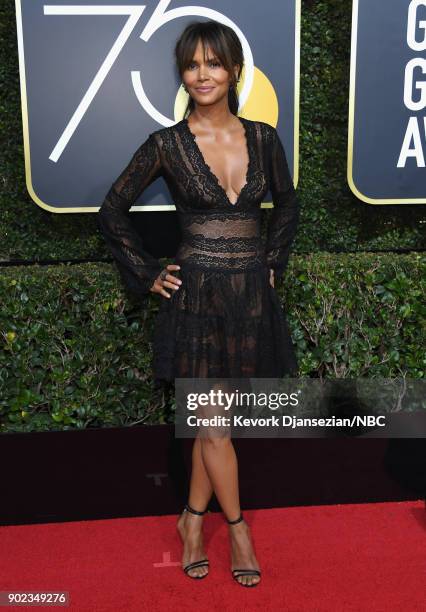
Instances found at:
x=332 y=217
x=76 y=350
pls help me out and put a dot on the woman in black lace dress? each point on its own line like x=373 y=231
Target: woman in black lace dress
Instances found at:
x=219 y=314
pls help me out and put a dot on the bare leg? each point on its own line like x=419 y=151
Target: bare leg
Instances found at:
x=214 y=467
x=220 y=462
x=189 y=524
x=200 y=490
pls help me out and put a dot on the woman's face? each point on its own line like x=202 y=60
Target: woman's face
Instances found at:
x=206 y=81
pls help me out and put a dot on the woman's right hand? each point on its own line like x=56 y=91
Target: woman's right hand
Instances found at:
x=165 y=279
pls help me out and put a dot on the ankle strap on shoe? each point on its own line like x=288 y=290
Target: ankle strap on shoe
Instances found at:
x=189 y=509
x=238 y=520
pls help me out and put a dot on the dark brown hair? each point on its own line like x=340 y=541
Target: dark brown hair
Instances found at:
x=226 y=45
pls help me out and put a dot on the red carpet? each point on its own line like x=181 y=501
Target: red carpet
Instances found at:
x=323 y=558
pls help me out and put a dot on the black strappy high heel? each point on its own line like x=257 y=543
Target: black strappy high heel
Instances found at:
x=244 y=571
x=201 y=562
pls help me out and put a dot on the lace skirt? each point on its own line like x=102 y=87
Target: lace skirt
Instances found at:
x=222 y=324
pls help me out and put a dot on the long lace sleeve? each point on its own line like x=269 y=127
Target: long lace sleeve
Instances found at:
x=284 y=219
x=138 y=269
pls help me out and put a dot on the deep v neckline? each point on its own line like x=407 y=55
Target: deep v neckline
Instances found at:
x=208 y=169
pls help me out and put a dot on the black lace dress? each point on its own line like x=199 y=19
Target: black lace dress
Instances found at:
x=226 y=319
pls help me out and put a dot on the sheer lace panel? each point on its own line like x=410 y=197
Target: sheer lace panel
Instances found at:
x=216 y=232
x=225 y=320
x=221 y=241
x=284 y=219
x=209 y=170
x=137 y=267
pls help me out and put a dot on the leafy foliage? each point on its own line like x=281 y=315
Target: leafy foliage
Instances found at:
x=76 y=352
x=332 y=217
